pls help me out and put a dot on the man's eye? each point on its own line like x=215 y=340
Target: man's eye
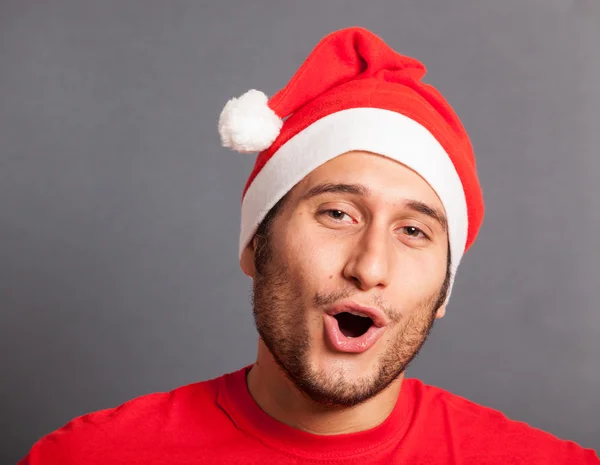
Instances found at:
x=414 y=232
x=337 y=215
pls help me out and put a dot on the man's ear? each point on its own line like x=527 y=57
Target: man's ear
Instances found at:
x=440 y=312
x=247 y=259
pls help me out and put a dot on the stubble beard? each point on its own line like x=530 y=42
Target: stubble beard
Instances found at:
x=282 y=324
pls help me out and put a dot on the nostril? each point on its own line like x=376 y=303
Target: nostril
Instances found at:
x=357 y=282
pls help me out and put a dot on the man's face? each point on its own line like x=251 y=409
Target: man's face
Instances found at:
x=351 y=277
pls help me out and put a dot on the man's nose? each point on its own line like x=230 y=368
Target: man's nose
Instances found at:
x=370 y=263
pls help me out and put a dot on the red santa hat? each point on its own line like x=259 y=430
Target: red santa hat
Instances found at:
x=354 y=92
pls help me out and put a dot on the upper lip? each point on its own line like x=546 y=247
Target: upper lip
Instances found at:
x=377 y=315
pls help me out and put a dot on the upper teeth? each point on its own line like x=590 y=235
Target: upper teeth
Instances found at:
x=358 y=314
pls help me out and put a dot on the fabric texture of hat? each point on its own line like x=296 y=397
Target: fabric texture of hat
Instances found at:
x=354 y=92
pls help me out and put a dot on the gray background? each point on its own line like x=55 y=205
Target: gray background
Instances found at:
x=119 y=212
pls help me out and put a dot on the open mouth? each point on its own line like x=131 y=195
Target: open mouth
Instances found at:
x=353 y=328
x=352 y=325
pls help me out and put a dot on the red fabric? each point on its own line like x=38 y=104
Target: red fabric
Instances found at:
x=353 y=68
x=217 y=422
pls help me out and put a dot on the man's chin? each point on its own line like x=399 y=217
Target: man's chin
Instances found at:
x=332 y=378
x=346 y=368
x=342 y=394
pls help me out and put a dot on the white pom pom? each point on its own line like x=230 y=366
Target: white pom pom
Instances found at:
x=247 y=124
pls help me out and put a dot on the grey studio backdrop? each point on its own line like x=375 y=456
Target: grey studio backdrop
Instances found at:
x=119 y=210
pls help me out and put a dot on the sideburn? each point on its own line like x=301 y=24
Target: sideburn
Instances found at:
x=263 y=251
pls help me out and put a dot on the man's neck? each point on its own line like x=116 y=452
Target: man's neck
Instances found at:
x=277 y=396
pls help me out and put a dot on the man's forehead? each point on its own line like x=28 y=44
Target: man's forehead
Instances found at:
x=369 y=174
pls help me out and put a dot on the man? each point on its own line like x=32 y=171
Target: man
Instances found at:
x=362 y=201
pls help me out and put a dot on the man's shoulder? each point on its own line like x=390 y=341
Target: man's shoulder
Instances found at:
x=484 y=431
x=141 y=420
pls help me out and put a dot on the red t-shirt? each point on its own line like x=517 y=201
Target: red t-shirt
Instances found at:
x=218 y=422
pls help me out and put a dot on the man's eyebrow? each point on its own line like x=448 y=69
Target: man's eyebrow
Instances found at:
x=329 y=188
x=363 y=191
x=425 y=209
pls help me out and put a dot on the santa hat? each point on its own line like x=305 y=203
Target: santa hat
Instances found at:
x=354 y=92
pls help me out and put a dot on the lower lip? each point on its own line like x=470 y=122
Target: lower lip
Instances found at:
x=354 y=345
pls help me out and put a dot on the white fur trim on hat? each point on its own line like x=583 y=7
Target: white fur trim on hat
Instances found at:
x=374 y=130
x=247 y=124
